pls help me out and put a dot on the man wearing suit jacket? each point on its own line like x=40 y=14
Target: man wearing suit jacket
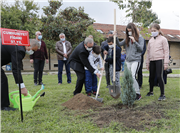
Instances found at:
x=8 y=54
x=79 y=59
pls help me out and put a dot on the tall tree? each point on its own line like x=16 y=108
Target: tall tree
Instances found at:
x=139 y=11
x=70 y=21
x=22 y=16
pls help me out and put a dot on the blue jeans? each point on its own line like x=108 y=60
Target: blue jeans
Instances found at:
x=122 y=63
x=90 y=82
x=60 y=69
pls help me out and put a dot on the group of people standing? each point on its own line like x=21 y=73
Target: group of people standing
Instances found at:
x=135 y=46
x=85 y=59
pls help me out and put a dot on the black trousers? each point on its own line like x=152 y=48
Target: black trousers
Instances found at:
x=4 y=90
x=156 y=68
x=79 y=82
x=156 y=83
x=107 y=73
x=38 y=70
x=140 y=76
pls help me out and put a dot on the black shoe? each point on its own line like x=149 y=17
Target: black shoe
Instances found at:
x=41 y=83
x=138 y=96
x=162 y=97
x=150 y=94
x=8 y=109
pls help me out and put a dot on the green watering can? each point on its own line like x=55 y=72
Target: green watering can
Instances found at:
x=27 y=101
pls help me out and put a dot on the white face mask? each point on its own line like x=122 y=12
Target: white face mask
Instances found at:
x=130 y=33
x=30 y=52
x=88 y=49
x=95 y=55
x=154 y=34
x=62 y=39
x=111 y=46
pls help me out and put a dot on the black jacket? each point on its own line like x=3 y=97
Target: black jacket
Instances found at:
x=105 y=43
x=8 y=54
x=144 y=48
x=102 y=48
x=118 y=57
x=79 y=58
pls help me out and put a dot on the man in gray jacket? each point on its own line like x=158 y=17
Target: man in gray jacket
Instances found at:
x=63 y=49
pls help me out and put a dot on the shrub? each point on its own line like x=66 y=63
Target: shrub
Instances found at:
x=128 y=93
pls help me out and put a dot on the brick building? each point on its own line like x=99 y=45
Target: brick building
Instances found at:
x=173 y=37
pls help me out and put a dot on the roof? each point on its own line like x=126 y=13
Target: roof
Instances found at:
x=171 y=35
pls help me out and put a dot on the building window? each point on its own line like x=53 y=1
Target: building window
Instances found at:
x=100 y=31
x=170 y=35
x=124 y=32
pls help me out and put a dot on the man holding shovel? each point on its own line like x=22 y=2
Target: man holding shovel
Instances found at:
x=109 y=50
x=79 y=59
x=8 y=54
x=106 y=64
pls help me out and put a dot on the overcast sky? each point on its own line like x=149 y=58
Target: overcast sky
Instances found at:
x=102 y=11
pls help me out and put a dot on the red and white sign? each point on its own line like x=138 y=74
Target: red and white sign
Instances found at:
x=13 y=37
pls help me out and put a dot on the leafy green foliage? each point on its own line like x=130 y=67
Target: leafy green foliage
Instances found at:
x=97 y=36
x=139 y=11
x=22 y=16
x=70 y=21
x=128 y=93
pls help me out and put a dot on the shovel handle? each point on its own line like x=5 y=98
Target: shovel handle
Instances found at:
x=114 y=56
x=99 y=84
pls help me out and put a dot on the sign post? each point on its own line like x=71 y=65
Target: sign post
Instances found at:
x=18 y=38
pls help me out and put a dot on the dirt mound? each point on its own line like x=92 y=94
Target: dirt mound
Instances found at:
x=82 y=102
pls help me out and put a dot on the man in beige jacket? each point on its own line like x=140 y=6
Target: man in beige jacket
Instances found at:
x=63 y=49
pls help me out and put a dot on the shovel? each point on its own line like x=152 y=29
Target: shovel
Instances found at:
x=114 y=90
x=99 y=84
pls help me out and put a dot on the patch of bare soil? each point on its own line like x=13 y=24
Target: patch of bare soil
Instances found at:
x=139 y=118
x=135 y=118
x=82 y=102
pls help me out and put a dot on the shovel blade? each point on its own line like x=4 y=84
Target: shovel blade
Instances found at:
x=98 y=99
x=114 y=91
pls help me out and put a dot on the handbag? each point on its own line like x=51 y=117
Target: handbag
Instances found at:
x=168 y=71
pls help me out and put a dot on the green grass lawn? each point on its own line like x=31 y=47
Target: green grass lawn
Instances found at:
x=173 y=71
x=48 y=116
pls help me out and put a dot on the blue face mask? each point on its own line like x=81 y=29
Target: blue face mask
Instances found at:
x=40 y=37
x=62 y=39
